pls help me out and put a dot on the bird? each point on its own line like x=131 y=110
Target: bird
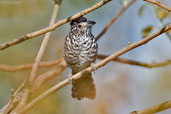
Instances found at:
x=80 y=52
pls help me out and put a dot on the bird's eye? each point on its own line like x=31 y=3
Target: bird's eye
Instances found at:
x=79 y=26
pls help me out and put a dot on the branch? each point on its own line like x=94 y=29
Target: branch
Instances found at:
x=32 y=77
x=159 y=4
x=54 y=26
x=14 y=100
x=137 y=63
x=40 y=54
x=22 y=101
x=90 y=69
x=154 y=109
x=7 y=107
x=15 y=68
x=114 y=19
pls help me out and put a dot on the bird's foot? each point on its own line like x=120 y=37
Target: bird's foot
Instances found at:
x=70 y=78
x=93 y=67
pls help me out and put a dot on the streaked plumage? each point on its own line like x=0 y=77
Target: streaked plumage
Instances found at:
x=80 y=50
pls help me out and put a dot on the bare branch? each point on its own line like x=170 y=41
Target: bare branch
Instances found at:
x=40 y=54
x=23 y=100
x=90 y=69
x=7 y=107
x=154 y=109
x=159 y=4
x=138 y=63
x=14 y=100
x=26 y=91
x=114 y=19
x=15 y=68
x=54 y=26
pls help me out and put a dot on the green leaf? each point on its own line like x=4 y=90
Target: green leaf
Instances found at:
x=160 y=13
x=146 y=31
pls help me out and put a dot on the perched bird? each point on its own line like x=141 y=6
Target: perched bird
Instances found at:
x=80 y=51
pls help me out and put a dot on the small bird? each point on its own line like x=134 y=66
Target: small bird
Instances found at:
x=80 y=51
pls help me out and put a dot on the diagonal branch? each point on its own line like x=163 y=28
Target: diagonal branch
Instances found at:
x=154 y=109
x=114 y=19
x=54 y=26
x=41 y=52
x=26 y=91
x=159 y=4
x=90 y=69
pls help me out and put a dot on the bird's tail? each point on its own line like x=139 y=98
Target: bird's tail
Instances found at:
x=84 y=87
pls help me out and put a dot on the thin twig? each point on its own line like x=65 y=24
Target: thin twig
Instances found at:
x=15 y=68
x=15 y=99
x=159 y=4
x=52 y=27
x=22 y=103
x=114 y=19
x=154 y=109
x=90 y=69
x=40 y=54
x=138 y=63
x=10 y=102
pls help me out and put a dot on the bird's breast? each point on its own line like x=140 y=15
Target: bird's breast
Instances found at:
x=81 y=52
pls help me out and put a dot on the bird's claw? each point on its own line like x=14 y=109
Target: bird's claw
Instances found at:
x=70 y=78
x=93 y=67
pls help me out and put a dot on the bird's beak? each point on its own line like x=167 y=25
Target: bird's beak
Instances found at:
x=90 y=23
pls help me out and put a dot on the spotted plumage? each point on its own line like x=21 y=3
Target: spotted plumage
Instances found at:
x=80 y=50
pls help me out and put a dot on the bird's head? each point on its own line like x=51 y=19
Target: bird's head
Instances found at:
x=81 y=23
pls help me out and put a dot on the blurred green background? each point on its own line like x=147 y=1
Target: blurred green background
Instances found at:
x=120 y=88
